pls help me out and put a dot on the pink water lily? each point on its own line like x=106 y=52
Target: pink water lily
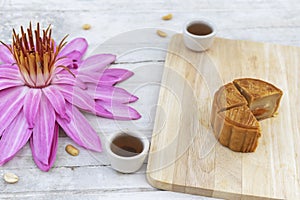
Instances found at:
x=45 y=85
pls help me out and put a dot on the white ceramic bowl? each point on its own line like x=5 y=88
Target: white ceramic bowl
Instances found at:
x=127 y=164
x=199 y=42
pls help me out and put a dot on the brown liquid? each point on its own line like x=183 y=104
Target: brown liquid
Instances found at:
x=126 y=145
x=199 y=29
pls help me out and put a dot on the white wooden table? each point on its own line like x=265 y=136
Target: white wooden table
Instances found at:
x=114 y=24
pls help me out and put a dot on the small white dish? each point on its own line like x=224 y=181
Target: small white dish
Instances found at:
x=199 y=34
x=122 y=159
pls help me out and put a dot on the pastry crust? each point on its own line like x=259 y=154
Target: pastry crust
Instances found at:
x=225 y=98
x=237 y=129
x=234 y=122
x=229 y=97
x=263 y=98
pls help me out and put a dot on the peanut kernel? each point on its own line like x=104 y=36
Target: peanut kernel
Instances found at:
x=167 y=17
x=86 y=26
x=161 y=33
x=73 y=151
x=10 y=178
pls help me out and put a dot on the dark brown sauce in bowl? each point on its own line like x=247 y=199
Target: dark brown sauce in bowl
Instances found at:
x=200 y=29
x=126 y=145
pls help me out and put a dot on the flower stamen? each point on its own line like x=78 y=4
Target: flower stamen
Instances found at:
x=35 y=55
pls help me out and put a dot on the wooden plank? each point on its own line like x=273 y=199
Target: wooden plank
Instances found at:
x=202 y=165
x=113 y=194
x=70 y=179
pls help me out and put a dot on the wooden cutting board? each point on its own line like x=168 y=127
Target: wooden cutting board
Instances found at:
x=185 y=156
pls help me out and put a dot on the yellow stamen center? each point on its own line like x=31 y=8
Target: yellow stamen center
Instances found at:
x=35 y=54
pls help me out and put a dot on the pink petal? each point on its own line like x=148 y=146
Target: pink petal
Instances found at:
x=78 y=97
x=63 y=80
x=9 y=83
x=52 y=156
x=79 y=130
x=66 y=78
x=9 y=66
x=118 y=72
x=74 y=56
x=114 y=76
x=12 y=101
x=14 y=138
x=102 y=112
x=9 y=72
x=110 y=93
x=64 y=72
x=90 y=77
x=63 y=62
x=119 y=110
x=31 y=105
x=77 y=44
x=57 y=100
x=5 y=55
x=43 y=134
x=97 y=62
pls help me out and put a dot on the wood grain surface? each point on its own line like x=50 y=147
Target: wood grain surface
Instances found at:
x=184 y=154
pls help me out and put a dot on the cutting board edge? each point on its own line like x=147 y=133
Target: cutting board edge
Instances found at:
x=200 y=191
x=159 y=184
x=254 y=41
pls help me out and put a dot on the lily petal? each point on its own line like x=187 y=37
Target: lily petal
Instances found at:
x=102 y=112
x=12 y=101
x=78 y=97
x=31 y=105
x=43 y=134
x=90 y=77
x=97 y=62
x=9 y=66
x=9 y=83
x=74 y=56
x=64 y=72
x=119 y=111
x=9 y=72
x=57 y=100
x=77 y=44
x=117 y=72
x=53 y=151
x=79 y=130
x=110 y=93
x=64 y=61
x=68 y=80
x=5 y=55
x=114 y=76
x=14 y=138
